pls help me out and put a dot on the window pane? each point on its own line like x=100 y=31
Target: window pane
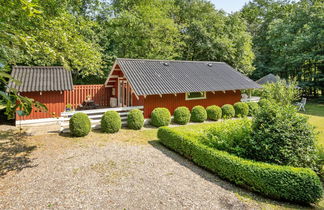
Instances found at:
x=196 y=95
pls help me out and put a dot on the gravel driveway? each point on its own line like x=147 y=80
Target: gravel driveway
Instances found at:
x=110 y=174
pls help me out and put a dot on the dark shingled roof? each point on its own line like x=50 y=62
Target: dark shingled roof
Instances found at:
x=152 y=77
x=270 y=78
x=41 y=78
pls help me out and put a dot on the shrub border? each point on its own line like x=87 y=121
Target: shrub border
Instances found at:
x=299 y=185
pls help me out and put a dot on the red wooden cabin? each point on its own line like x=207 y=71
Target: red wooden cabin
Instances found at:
x=162 y=83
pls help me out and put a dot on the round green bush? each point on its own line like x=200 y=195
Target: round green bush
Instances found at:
x=198 y=114
x=110 y=122
x=228 y=111
x=182 y=115
x=160 y=117
x=253 y=107
x=263 y=102
x=214 y=112
x=241 y=109
x=79 y=125
x=135 y=119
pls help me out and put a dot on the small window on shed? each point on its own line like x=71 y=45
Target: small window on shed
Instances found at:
x=195 y=95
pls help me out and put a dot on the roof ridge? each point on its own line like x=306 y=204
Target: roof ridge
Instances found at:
x=159 y=60
x=39 y=66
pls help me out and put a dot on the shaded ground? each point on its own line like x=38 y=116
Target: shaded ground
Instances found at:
x=14 y=152
x=128 y=170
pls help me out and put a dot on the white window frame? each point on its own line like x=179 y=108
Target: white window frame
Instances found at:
x=204 y=97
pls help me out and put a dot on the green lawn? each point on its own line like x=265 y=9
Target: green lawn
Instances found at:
x=315 y=112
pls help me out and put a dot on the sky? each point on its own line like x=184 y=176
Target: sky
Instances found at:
x=229 y=5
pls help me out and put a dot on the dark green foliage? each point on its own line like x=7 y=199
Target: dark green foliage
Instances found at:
x=182 y=115
x=264 y=102
x=253 y=107
x=300 y=185
x=228 y=111
x=135 y=119
x=282 y=44
x=160 y=117
x=241 y=109
x=282 y=136
x=230 y=135
x=79 y=125
x=110 y=122
x=198 y=114
x=214 y=112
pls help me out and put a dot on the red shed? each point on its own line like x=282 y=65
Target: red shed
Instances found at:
x=171 y=83
x=45 y=84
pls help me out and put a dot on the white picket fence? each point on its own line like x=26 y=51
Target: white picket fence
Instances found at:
x=95 y=116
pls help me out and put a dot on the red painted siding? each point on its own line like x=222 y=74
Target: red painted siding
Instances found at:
x=54 y=101
x=171 y=101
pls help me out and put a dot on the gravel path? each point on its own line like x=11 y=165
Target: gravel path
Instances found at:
x=115 y=175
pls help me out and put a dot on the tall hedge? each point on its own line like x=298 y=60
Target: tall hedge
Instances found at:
x=181 y=115
x=198 y=114
x=79 y=125
x=263 y=102
x=214 y=112
x=110 y=122
x=241 y=109
x=160 y=117
x=282 y=136
x=135 y=119
x=300 y=185
x=253 y=107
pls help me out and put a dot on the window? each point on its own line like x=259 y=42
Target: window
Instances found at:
x=195 y=95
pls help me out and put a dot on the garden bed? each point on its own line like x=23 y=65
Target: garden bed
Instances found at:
x=299 y=185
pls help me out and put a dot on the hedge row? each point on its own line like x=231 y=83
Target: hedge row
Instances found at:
x=279 y=182
x=80 y=124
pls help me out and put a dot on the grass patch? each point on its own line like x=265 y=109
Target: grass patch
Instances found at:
x=315 y=112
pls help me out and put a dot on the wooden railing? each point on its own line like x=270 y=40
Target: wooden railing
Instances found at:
x=98 y=93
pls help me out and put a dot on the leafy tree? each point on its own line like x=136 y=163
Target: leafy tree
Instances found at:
x=46 y=33
x=288 y=40
x=143 y=29
x=209 y=34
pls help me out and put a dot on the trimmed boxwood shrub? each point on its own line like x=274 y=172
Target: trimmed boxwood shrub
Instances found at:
x=253 y=107
x=160 y=117
x=135 y=119
x=79 y=125
x=110 y=122
x=300 y=185
x=181 y=115
x=198 y=114
x=214 y=112
x=228 y=111
x=263 y=102
x=241 y=109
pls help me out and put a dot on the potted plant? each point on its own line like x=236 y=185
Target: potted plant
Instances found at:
x=89 y=97
x=68 y=107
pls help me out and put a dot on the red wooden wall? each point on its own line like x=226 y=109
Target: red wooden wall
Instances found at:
x=56 y=101
x=171 y=101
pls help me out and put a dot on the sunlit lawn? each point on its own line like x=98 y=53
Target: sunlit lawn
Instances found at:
x=315 y=112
